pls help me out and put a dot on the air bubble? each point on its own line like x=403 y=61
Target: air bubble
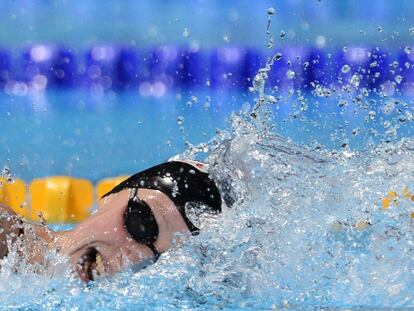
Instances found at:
x=408 y=49
x=282 y=34
x=380 y=29
x=411 y=30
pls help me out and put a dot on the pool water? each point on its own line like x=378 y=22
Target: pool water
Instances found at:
x=77 y=133
x=308 y=229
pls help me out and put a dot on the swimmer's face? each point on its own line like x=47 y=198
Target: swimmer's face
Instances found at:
x=102 y=246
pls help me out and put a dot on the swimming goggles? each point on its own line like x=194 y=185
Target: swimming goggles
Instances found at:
x=140 y=222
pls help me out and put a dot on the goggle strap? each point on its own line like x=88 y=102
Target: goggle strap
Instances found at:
x=157 y=254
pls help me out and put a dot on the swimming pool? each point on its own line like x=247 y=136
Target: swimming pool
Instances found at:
x=296 y=239
x=322 y=172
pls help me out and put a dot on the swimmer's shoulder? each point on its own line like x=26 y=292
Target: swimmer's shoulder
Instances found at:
x=10 y=227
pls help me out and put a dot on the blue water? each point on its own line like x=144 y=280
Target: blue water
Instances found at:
x=305 y=171
x=79 y=134
x=73 y=133
x=309 y=171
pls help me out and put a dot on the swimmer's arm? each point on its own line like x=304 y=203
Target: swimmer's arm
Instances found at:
x=9 y=227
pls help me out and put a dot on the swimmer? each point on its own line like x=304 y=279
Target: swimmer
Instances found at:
x=135 y=223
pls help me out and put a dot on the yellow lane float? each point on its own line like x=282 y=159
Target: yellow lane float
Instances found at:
x=60 y=199
x=106 y=185
x=13 y=194
x=56 y=199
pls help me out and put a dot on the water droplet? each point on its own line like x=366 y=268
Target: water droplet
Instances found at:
x=408 y=49
x=270 y=43
x=277 y=56
x=411 y=30
x=391 y=131
x=402 y=119
x=372 y=114
x=389 y=107
x=271 y=11
x=186 y=32
x=282 y=34
x=5 y=171
x=180 y=120
x=355 y=80
x=342 y=103
x=259 y=81
x=398 y=79
x=345 y=68
x=374 y=64
x=380 y=29
x=345 y=49
x=395 y=64
x=356 y=131
x=290 y=74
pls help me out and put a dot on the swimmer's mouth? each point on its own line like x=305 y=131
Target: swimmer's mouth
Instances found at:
x=90 y=265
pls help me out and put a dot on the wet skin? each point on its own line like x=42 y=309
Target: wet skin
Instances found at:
x=101 y=245
x=104 y=233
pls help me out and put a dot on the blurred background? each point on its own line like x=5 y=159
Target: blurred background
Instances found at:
x=101 y=88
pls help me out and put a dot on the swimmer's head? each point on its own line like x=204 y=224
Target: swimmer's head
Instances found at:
x=108 y=241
